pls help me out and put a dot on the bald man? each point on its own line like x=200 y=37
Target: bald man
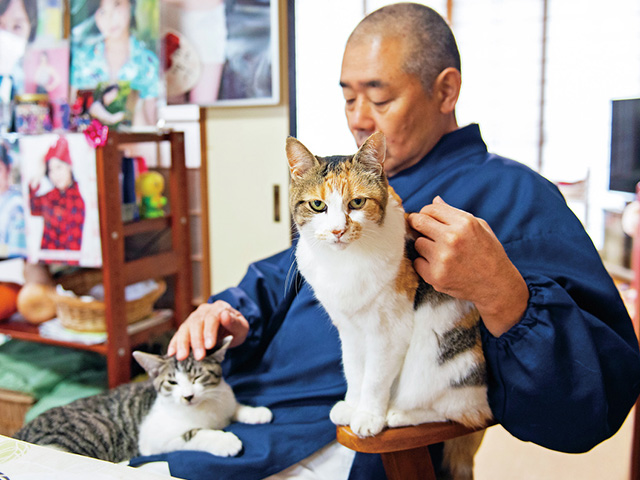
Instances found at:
x=562 y=358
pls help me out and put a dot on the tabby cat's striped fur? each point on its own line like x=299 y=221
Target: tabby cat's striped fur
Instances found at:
x=183 y=405
x=410 y=354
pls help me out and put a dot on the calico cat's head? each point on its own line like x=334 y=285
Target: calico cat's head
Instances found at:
x=186 y=382
x=332 y=199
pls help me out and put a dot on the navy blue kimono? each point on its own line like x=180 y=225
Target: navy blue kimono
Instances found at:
x=564 y=377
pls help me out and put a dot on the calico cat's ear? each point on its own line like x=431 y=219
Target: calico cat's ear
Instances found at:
x=300 y=158
x=218 y=355
x=372 y=152
x=150 y=362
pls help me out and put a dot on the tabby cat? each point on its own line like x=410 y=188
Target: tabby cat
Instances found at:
x=183 y=406
x=410 y=354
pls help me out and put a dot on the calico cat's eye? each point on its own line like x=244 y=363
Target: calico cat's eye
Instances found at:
x=318 y=205
x=357 y=203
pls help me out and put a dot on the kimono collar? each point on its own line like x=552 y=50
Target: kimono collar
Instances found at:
x=452 y=148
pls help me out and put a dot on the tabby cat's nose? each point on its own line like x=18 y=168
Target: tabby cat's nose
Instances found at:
x=188 y=398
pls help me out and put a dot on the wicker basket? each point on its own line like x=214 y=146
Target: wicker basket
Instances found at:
x=80 y=315
x=13 y=408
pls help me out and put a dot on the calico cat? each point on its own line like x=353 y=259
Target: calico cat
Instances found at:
x=183 y=406
x=410 y=354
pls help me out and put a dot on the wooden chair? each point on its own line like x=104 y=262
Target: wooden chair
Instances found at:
x=404 y=451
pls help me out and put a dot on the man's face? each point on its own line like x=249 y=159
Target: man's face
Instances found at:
x=380 y=96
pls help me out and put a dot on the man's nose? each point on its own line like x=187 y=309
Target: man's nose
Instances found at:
x=359 y=117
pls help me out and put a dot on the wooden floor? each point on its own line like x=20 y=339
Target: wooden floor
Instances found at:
x=503 y=457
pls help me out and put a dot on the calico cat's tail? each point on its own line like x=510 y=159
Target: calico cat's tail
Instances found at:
x=459 y=453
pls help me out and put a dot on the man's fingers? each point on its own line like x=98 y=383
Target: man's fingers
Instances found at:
x=197 y=339
x=180 y=343
x=204 y=327
x=235 y=324
x=210 y=331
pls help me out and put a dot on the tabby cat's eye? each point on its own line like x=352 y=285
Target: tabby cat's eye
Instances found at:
x=318 y=205
x=357 y=203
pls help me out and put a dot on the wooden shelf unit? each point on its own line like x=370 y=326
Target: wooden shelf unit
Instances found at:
x=118 y=273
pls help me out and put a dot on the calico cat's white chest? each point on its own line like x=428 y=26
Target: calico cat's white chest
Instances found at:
x=344 y=281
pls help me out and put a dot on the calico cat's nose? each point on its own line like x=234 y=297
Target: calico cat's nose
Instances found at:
x=338 y=233
x=188 y=398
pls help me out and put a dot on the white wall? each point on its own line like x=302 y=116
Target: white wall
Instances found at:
x=245 y=150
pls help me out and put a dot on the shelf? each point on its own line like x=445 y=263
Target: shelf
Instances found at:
x=146 y=225
x=139 y=332
x=123 y=138
x=22 y=330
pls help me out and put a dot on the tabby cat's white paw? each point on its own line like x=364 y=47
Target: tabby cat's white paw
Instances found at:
x=217 y=442
x=365 y=424
x=253 y=415
x=341 y=413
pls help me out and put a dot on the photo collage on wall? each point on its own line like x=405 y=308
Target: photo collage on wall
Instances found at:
x=74 y=67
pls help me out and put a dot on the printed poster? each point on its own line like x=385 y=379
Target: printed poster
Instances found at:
x=220 y=53
x=34 y=56
x=60 y=188
x=12 y=227
x=115 y=42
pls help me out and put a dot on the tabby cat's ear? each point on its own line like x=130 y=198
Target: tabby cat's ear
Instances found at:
x=218 y=355
x=372 y=152
x=150 y=362
x=300 y=158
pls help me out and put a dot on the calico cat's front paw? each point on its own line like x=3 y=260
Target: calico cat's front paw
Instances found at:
x=216 y=442
x=341 y=413
x=365 y=424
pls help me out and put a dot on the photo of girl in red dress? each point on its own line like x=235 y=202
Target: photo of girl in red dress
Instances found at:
x=59 y=182
x=62 y=207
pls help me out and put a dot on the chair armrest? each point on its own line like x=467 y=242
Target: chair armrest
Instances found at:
x=404 y=438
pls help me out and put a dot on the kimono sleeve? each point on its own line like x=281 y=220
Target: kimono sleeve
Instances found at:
x=258 y=297
x=566 y=376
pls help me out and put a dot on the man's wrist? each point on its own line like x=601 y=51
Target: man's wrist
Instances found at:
x=505 y=309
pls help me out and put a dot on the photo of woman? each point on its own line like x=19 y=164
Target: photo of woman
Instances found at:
x=62 y=207
x=18 y=25
x=58 y=178
x=105 y=47
x=221 y=52
x=12 y=233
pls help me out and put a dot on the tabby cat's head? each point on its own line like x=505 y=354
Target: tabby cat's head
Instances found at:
x=188 y=381
x=332 y=199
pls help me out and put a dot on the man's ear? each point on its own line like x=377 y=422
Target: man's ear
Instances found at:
x=447 y=87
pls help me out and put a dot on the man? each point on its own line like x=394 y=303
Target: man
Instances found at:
x=562 y=357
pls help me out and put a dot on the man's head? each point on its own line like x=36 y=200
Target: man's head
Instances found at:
x=401 y=75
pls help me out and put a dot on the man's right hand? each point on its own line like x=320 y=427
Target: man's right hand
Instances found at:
x=201 y=330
